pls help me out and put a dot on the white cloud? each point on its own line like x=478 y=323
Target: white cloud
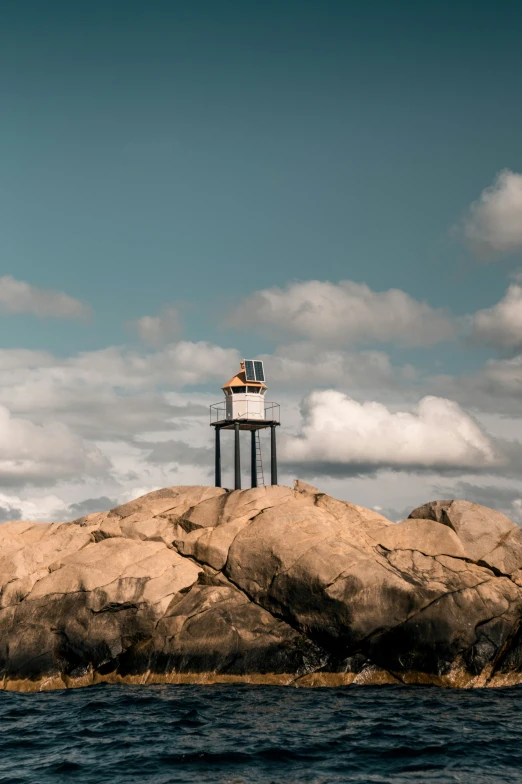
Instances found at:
x=339 y=431
x=163 y=328
x=132 y=405
x=41 y=454
x=305 y=364
x=195 y=363
x=344 y=313
x=17 y=296
x=86 y=424
x=494 y=222
x=112 y=392
x=50 y=507
x=501 y=325
x=37 y=508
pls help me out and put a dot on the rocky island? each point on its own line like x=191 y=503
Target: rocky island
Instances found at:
x=271 y=585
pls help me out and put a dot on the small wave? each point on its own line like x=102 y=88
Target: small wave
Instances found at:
x=66 y=766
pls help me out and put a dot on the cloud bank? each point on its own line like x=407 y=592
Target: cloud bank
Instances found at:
x=111 y=393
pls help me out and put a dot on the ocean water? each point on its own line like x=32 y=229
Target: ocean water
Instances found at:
x=261 y=735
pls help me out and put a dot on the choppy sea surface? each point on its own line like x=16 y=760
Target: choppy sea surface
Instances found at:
x=261 y=735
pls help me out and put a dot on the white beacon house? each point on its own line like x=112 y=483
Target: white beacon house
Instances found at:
x=245 y=408
x=245 y=392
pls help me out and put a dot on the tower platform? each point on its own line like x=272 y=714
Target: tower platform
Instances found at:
x=245 y=424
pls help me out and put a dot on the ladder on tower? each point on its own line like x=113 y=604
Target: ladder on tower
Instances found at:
x=259 y=462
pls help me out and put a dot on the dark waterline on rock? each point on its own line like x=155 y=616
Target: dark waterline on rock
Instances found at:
x=261 y=735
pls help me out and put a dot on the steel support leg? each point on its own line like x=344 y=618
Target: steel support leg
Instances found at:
x=253 y=458
x=237 y=459
x=218 y=456
x=273 y=455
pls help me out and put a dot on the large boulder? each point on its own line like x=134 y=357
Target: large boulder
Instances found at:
x=488 y=536
x=269 y=585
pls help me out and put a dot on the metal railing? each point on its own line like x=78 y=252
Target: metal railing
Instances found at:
x=273 y=412
x=218 y=412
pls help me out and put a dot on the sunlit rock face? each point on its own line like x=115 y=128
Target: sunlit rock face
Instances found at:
x=269 y=585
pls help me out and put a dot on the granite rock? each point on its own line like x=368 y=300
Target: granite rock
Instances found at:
x=488 y=536
x=270 y=585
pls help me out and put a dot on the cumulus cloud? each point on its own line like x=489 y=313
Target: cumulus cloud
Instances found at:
x=494 y=221
x=33 y=454
x=160 y=329
x=340 y=435
x=17 y=296
x=344 y=313
x=501 y=325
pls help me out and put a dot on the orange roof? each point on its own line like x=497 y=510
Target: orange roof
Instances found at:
x=240 y=381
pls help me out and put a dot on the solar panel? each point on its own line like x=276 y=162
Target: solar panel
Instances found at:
x=250 y=374
x=259 y=370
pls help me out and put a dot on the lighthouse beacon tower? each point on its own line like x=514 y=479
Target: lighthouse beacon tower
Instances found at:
x=245 y=408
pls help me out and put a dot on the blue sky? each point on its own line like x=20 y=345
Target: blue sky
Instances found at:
x=187 y=155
